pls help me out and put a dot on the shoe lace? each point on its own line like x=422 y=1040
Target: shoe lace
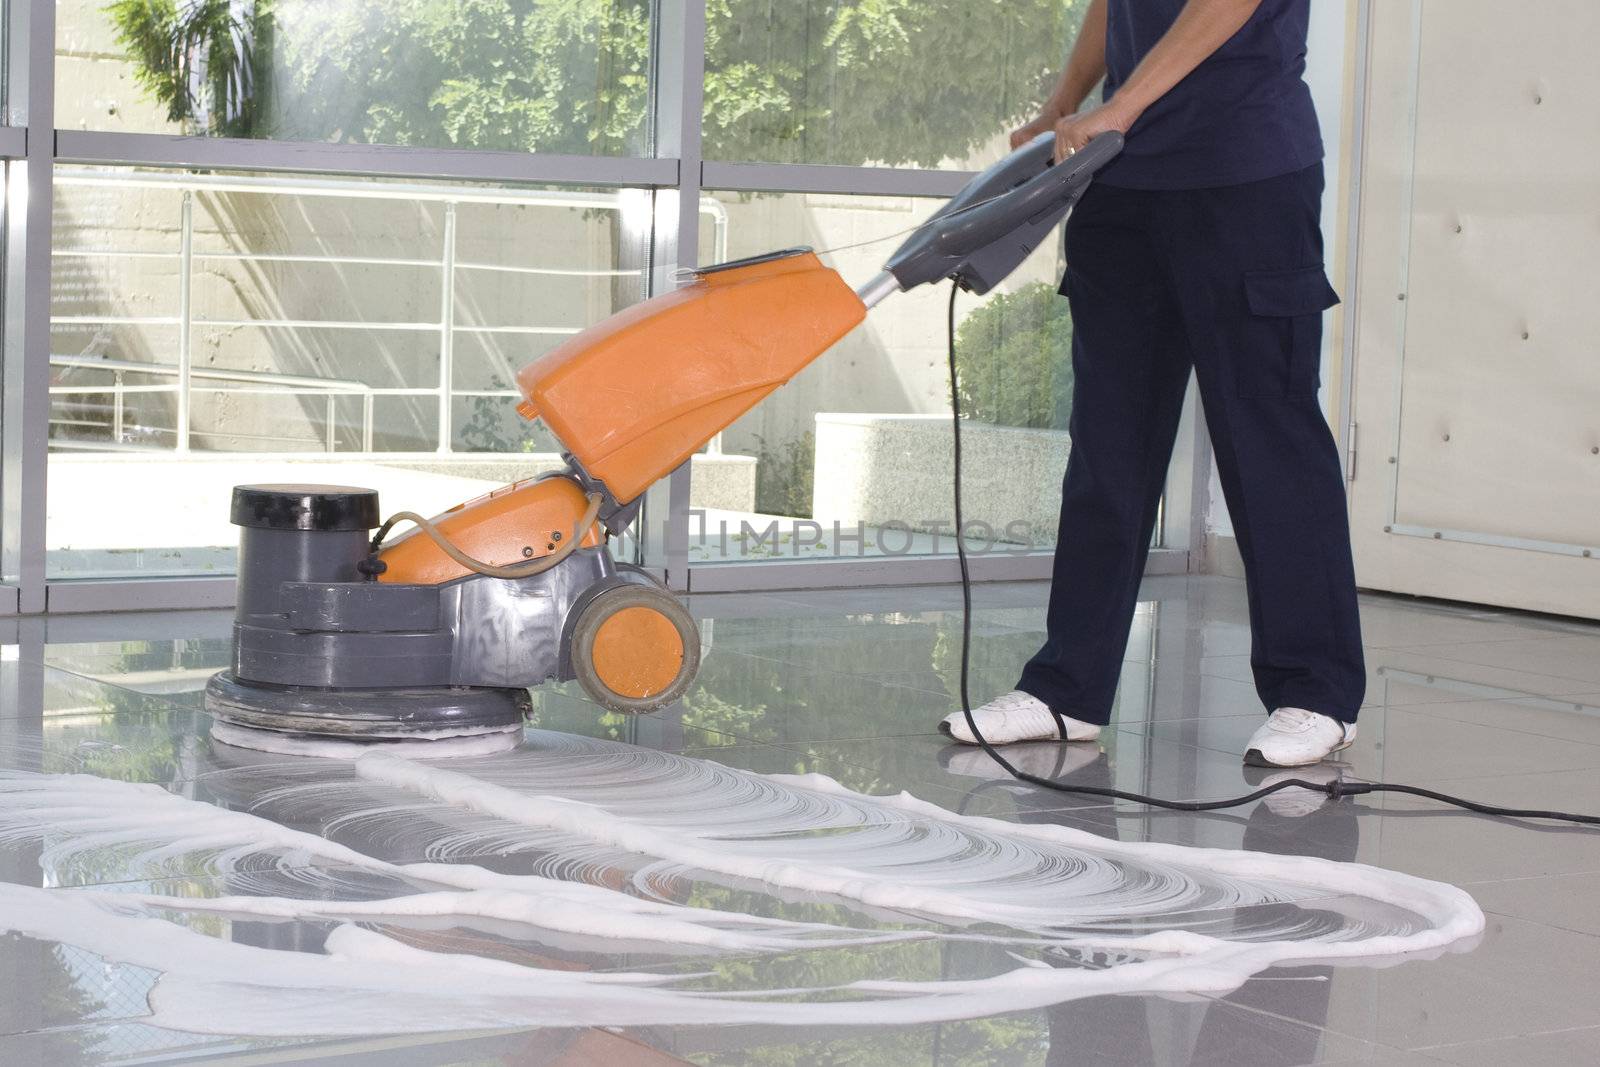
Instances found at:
x=1016 y=700
x=1294 y=718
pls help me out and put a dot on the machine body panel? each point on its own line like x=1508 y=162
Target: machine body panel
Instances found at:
x=522 y=521
x=634 y=396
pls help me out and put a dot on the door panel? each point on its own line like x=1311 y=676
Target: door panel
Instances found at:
x=1477 y=384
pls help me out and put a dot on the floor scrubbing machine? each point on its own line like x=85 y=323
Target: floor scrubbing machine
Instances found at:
x=344 y=633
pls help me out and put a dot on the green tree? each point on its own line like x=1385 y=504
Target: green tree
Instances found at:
x=201 y=59
x=817 y=81
x=785 y=475
x=897 y=82
x=1012 y=359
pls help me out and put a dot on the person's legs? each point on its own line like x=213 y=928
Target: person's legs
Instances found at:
x=1247 y=266
x=1131 y=369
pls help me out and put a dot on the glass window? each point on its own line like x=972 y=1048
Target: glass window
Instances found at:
x=853 y=457
x=210 y=330
x=922 y=83
x=517 y=75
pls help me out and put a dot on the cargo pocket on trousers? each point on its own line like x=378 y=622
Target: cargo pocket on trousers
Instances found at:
x=1282 y=347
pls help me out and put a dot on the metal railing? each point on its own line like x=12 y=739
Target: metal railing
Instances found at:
x=273 y=384
x=632 y=206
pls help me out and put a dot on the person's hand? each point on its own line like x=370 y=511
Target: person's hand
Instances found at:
x=1075 y=131
x=1023 y=134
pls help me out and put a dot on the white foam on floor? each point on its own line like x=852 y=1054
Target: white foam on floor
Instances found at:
x=367 y=983
x=1162 y=918
x=444 y=744
x=144 y=826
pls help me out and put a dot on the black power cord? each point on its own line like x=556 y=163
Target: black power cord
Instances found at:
x=1334 y=789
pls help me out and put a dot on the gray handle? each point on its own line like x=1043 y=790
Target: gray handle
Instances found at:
x=973 y=227
x=1001 y=216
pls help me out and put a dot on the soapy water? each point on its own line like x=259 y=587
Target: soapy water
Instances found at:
x=573 y=845
x=433 y=745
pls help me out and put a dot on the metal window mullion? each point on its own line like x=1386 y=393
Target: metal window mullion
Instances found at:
x=377 y=160
x=340 y=186
x=185 y=314
x=146 y=594
x=31 y=98
x=816 y=178
x=680 y=57
x=447 y=326
x=1361 y=90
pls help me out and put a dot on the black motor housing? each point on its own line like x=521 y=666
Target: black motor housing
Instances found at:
x=298 y=533
x=321 y=649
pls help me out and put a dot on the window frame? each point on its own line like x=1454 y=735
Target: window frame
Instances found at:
x=675 y=174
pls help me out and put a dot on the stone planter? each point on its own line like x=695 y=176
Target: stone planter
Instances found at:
x=883 y=470
x=721 y=480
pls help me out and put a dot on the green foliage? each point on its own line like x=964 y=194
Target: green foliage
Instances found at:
x=817 y=81
x=557 y=76
x=888 y=81
x=202 y=60
x=485 y=430
x=492 y=426
x=1013 y=359
x=784 y=476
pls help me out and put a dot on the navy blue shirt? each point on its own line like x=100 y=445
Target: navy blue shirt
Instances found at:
x=1242 y=115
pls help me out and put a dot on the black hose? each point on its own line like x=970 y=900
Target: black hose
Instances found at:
x=1335 y=789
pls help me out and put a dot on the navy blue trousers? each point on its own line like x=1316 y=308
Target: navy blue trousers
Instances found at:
x=1229 y=282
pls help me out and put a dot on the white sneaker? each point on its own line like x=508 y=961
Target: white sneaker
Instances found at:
x=1017 y=716
x=1295 y=737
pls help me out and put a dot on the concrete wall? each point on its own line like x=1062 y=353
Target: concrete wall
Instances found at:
x=897 y=469
x=373 y=318
x=95 y=87
x=721 y=482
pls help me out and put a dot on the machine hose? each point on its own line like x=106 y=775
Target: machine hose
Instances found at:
x=526 y=569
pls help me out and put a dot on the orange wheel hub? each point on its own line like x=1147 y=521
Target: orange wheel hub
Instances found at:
x=637 y=652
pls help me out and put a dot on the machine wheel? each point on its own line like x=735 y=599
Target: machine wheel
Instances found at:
x=635 y=648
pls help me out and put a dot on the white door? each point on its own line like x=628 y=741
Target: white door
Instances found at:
x=1477 y=318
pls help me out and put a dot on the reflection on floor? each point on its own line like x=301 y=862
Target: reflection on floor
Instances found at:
x=1496 y=706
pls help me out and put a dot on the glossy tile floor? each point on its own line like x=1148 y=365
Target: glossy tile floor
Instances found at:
x=1495 y=706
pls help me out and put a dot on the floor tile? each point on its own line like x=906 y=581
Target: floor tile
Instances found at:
x=1098 y=1031
x=1456 y=998
x=1574 y=719
x=1387 y=1057
x=765 y=700
x=1565 y=901
x=132 y=1042
x=1558 y=1049
x=176 y=670
x=1396 y=623
x=1433 y=840
x=1491 y=705
x=1405 y=745
x=935 y=768
x=1406 y=676
x=1565 y=657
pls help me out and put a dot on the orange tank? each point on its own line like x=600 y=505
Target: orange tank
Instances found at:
x=509 y=525
x=634 y=396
